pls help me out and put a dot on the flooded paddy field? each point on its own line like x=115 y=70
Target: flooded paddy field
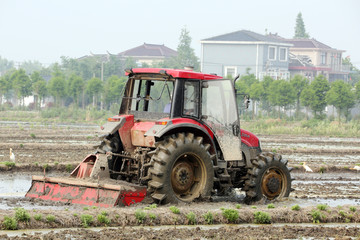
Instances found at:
x=56 y=146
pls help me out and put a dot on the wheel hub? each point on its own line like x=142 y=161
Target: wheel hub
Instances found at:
x=272 y=183
x=182 y=177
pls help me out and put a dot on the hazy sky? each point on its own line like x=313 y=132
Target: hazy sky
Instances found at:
x=44 y=30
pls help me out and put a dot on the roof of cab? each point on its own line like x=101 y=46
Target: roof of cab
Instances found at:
x=175 y=73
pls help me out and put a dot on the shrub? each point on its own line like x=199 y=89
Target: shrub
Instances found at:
x=209 y=218
x=140 y=216
x=86 y=208
x=238 y=206
x=75 y=214
x=32 y=135
x=46 y=167
x=317 y=216
x=103 y=219
x=38 y=217
x=231 y=214
x=50 y=218
x=68 y=167
x=191 y=218
x=322 y=207
x=322 y=169
x=104 y=213
x=9 y=164
x=253 y=207
x=9 y=223
x=152 y=216
x=295 y=207
x=270 y=205
x=154 y=205
x=86 y=220
x=342 y=213
x=353 y=209
x=174 y=209
x=262 y=218
x=22 y=215
x=94 y=207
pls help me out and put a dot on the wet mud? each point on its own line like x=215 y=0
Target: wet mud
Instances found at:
x=59 y=148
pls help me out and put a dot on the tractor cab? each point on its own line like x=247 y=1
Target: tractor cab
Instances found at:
x=186 y=100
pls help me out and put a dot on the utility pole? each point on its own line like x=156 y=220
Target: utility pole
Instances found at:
x=102 y=80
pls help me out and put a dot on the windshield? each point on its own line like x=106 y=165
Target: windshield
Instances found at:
x=152 y=96
x=218 y=103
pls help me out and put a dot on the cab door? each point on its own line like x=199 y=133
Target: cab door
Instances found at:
x=219 y=112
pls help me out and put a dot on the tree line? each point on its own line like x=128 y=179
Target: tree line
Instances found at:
x=279 y=96
x=95 y=80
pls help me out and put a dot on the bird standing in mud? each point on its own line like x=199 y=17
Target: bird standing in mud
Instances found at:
x=357 y=168
x=12 y=156
x=307 y=168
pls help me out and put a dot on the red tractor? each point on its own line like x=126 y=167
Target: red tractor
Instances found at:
x=178 y=134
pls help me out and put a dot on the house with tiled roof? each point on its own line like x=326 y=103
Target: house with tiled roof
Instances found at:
x=325 y=60
x=148 y=53
x=234 y=53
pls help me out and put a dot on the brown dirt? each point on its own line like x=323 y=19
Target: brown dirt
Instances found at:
x=228 y=232
x=60 y=146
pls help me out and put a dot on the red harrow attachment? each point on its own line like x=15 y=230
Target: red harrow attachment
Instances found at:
x=88 y=184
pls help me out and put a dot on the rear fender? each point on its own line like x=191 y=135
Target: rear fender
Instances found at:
x=250 y=146
x=111 y=127
x=160 y=131
x=121 y=124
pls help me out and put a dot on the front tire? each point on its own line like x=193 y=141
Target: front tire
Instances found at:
x=269 y=178
x=182 y=170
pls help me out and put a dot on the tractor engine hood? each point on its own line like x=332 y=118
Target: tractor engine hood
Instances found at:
x=133 y=133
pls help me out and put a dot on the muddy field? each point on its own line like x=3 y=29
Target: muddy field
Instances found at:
x=60 y=147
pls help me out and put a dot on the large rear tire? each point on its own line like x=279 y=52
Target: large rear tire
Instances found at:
x=269 y=178
x=182 y=170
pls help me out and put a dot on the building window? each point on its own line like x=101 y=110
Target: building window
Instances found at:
x=283 y=54
x=272 y=53
x=230 y=72
x=323 y=58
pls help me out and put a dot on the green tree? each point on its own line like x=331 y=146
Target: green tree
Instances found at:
x=130 y=63
x=31 y=66
x=76 y=86
x=300 y=27
x=113 y=88
x=306 y=98
x=319 y=86
x=282 y=94
x=113 y=67
x=357 y=91
x=186 y=54
x=265 y=103
x=299 y=83
x=354 y=75
x=5 y=86
x=57 y=85
x=21 y=84
x=341 y=97
x=5 y=65
x=94 y=89
x=39 y=88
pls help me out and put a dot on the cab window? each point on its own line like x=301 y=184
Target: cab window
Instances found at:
x=191 y=99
